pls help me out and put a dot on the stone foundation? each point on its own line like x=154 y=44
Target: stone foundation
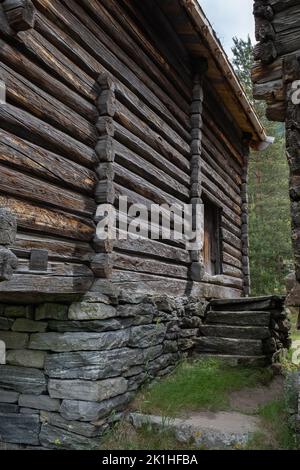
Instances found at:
x=70 y=370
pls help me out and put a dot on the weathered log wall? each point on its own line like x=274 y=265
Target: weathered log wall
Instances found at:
x=98 y=106
x=275 y=75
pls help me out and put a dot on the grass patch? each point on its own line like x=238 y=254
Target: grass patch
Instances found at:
x=276 y=433
x=198 y=385
x=124 y=437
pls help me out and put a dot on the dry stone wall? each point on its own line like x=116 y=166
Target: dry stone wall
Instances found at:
x=71 y=369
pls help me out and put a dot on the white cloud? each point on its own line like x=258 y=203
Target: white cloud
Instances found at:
x=230 y=18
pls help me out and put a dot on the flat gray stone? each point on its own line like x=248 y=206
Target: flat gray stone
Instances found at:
x=18 y=311
x=50 y=311
x=238 y=332
x=91 y=411
x=92 y=365
x=8 y=397
x=147 y=335
x=221 y=430
x=96 y=326
x=91 y=311
x=241 y=347
x=14 y=340
x=57 y=438
x=6 y=323
x=77 y=427
x=8 y=408
x=64 y=342
x=30 y=326
x=19 y=428
x=42 y=402
x=22 y=380
x=145 y=309
x=26 y=358
x=86 y=390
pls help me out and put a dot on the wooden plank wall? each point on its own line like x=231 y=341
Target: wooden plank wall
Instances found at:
x=48 y=138
x=223 y=163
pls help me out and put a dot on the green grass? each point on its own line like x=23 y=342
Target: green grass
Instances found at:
x=198 y=385
x=125 y=437
x=276 y=433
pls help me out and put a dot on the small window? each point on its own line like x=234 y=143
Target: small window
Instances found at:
x=212 y=247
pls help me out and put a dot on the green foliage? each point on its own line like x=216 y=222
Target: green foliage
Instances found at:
x=269 y=207
x=198 y=385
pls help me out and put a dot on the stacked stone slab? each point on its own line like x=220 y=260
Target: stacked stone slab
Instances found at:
x=71 y=369
x=246 y=330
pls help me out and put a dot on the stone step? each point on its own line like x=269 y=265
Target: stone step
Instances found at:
x=235 y=360
x=222 y=430
x=239 y=318
x=249 y=303
x=241 y=347
x=238 y=332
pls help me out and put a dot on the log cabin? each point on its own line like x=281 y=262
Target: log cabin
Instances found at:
x=101 y=100
x=275 y=76
x=109 y=98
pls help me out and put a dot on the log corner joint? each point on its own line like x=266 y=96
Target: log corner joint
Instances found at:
x=17 y=15
x=8 y=231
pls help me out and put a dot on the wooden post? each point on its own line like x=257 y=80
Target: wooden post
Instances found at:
x=245 y=225
x=102 y=264
x=8 y=230
x=197 y=266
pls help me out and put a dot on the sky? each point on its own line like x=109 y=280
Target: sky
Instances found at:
x=230 y=18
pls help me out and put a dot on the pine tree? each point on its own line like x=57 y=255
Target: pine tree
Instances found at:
x=269 y=206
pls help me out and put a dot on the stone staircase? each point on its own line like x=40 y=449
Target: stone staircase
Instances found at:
x=247 y=331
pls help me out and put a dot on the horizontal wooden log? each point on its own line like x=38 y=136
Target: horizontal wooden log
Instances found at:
x=220 y=141
x=55 y=269
x=231 y=260
x=146 y=265
x=223 y=280
x=218 y=179
x=230 y=251
x=138 y=127
x=154 y=249
x=287 y=20
x=276 y=111
x=269 y=91
x=26 y=95
x=68 y=22
x=60 y=65
x=27 y=188
x=30 y=158
x=82 y=82
x=279 y=5
x=46 y=81
x=119 y=17
x=140 y=147
x=231 y=239
x=266 y=73
x=131 y=56
x=143 y=187
x=139 y=282
x=58 y=249
x=232 y=271
x=287 y=41
x=143 y=168
x=38 y=288
x=40 y=133
x=233 y=228
x=48 y=221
